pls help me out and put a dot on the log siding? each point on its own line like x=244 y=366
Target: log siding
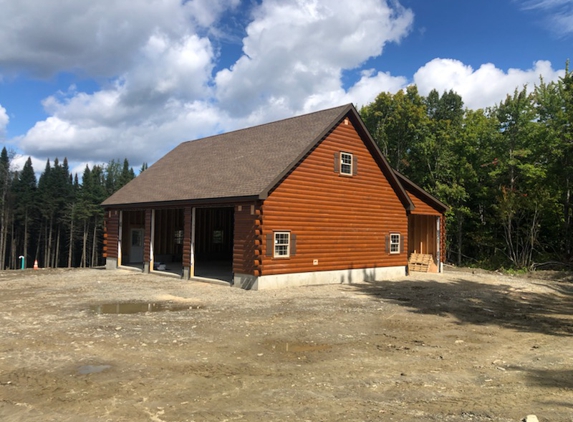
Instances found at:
x=147 y=236
x=340 y=221
x=247 y=239
x=187 y=223
x=422 y=207
x=112 y=233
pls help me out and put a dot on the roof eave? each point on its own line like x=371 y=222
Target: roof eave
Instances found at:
x=182 y=202
x=432 y=200
x=382 y=161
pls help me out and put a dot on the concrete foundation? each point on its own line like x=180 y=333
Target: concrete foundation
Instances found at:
x=250 y=282
x=111 y=264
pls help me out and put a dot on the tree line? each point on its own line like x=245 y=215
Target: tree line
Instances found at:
x=56 y=220
x=506 y=172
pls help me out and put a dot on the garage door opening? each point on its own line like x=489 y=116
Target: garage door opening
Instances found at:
x=214 y=231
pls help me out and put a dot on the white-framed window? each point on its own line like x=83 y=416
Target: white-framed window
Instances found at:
x=281 y=244
x=346 y=163
x=395 y=243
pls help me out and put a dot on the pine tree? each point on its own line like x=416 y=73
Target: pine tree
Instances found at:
x=5 y=181
x=25 y=194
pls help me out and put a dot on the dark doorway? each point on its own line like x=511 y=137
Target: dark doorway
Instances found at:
x=214 y=230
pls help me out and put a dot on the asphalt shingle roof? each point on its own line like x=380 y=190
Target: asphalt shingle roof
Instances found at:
x=243 y=163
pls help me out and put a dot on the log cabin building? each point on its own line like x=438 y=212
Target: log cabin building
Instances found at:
x=305 y=200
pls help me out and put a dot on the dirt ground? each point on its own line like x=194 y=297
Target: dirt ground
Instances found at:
x=461 y=346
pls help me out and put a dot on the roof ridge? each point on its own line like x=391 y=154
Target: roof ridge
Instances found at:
x=268 y=123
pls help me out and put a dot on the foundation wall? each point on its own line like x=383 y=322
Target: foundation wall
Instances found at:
x=350 y=276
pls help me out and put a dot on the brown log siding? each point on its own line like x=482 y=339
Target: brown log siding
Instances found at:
x=187 y=222
x=443 y=239
x=147 y=237
x=112 y=232
x=422 y=232
x=341 y=221
x=421 y=206
x=247 y=242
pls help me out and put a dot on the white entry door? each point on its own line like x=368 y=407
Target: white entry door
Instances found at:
x=136 y=252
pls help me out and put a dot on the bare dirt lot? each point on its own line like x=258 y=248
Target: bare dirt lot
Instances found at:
x=453 y=347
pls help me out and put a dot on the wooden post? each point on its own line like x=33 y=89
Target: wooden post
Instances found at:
x=192 y=259
x=151 y=254
x=119 y=238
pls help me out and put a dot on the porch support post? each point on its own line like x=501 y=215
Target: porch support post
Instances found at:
x=188 y=242
x=112 y=239
x=193 y=219
x=119 y=238
x=151 y=252
x=148 y=241
x=439 y=243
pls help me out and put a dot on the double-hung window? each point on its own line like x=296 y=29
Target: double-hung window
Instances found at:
x=281 y=244
x=394 y=243
x=346 y=163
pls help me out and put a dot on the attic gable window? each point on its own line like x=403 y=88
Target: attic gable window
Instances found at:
x=345 y=163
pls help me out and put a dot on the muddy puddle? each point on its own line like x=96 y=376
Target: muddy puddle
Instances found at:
x=140 y=307
x=92 y=369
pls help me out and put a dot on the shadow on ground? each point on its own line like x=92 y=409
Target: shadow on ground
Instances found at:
x=472 y=302
x=549 y=378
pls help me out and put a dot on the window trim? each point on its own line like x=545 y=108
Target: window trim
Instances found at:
x=397 y=245
x=287 y=244
x=350 y=164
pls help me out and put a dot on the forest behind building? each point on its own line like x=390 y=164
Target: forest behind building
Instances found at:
x=505 y=172
x=55 y=219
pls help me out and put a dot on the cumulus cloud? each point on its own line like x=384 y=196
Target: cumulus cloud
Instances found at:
x=167 y=92
x=161 y=83
x=138 y=114
x=483 y=87
x=97 y=38
x=4 y=119
x=294 y=50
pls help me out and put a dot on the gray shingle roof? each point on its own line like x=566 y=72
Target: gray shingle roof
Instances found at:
x=243 y=163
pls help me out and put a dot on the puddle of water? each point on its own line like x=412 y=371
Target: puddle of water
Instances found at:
x=92 y=369
x=134 y=308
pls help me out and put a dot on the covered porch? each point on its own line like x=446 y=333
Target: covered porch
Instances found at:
x=425 y=243
x=188 y=242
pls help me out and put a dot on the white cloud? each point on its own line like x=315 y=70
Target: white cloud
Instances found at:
x=298 y=49
x=295 y=53
x=97 y=38
x=4 y=119
x=363 y=92
x=483 y=87
x=135 y=115
x=161 y=87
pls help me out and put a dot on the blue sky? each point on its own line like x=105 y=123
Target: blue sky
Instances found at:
x=95 y=81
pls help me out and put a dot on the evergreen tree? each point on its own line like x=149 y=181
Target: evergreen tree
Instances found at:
x=26 y=208
x=127 y=174
x=5 y=181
